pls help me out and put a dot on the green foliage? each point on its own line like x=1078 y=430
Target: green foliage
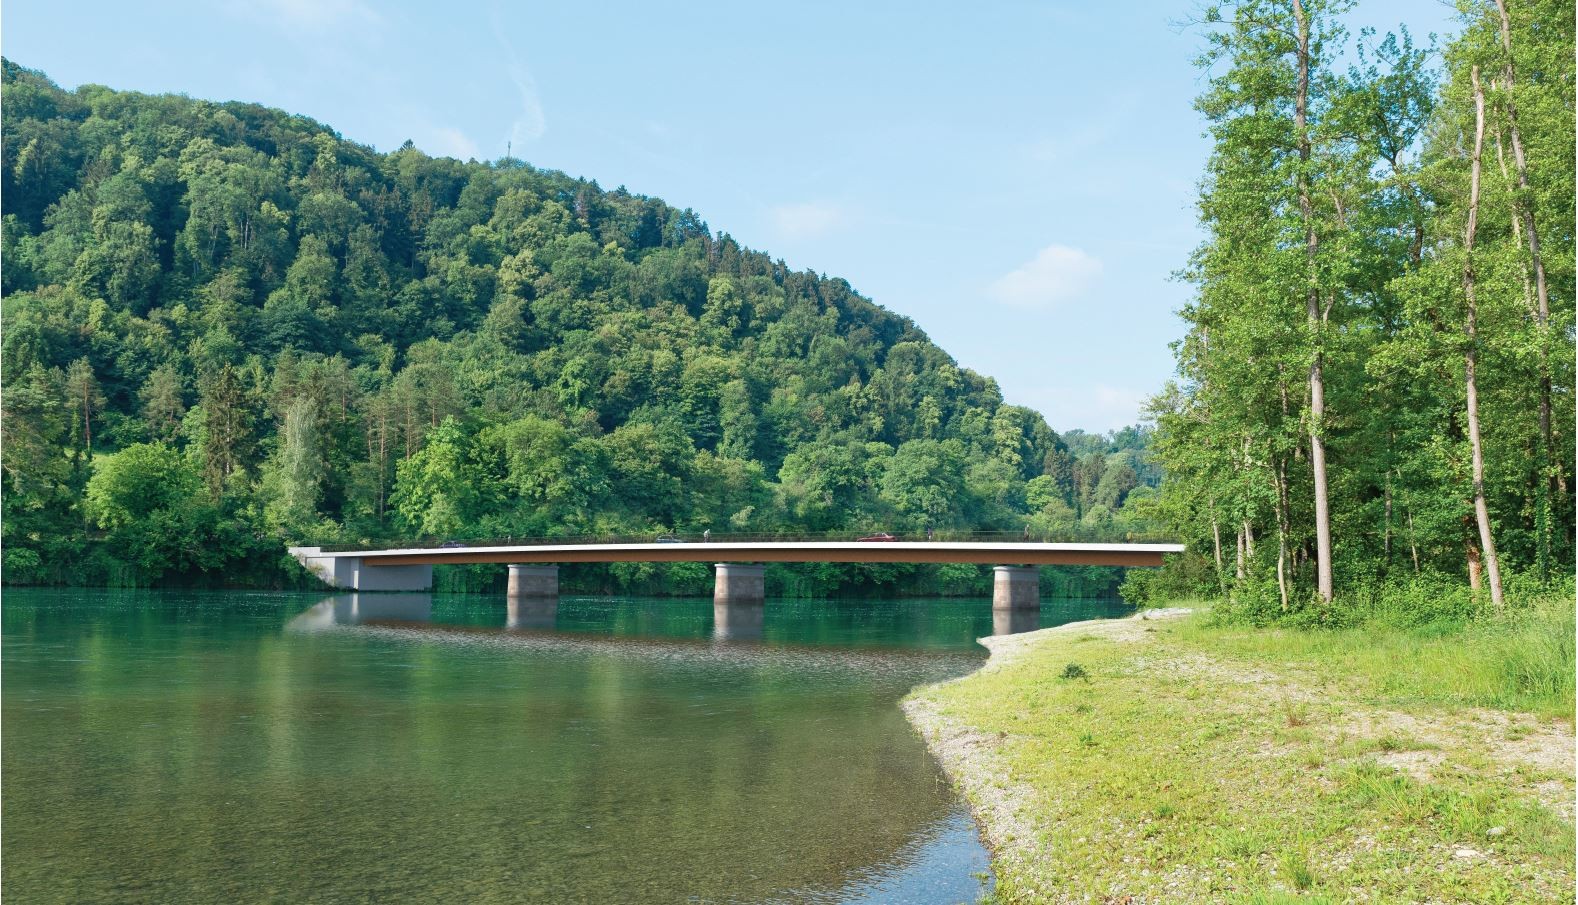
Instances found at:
x=138 y=482
x=438 y=490
x=1335 y=239
x=352 y=346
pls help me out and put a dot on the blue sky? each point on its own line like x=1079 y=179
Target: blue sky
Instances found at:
x=1017 y=177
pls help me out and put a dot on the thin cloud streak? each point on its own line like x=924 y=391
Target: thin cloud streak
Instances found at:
x=532 y=123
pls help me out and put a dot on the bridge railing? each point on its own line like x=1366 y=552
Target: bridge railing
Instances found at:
x=1083 y=535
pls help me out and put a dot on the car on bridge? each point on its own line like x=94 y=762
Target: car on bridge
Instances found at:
x=879 y=537
x=669 y=539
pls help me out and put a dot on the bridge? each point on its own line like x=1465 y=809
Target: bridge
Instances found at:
x=738 y=565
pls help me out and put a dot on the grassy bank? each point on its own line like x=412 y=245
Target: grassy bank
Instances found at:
x=1173 y=759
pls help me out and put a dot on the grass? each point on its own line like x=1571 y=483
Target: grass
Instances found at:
x=1521 y=662
x=1207 y=763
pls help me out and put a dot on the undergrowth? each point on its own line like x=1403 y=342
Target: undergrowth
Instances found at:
x=1423 y=641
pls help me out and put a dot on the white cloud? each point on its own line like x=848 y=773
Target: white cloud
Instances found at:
x=311 y=15
x=808 y=219
x=1056 y=273
x=446 y=141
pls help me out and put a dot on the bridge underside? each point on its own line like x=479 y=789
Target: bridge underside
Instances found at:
x=1029 y=554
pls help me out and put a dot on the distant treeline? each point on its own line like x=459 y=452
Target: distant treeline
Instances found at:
x=1377 y=381
x=227 y=328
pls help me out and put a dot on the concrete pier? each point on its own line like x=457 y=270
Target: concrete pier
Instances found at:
x=533 y=581
x=1016 y=588
x=531 y=613
x=739 y=583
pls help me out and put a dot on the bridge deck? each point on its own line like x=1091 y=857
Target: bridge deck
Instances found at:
x=994 y=553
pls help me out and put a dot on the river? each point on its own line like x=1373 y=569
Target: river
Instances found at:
x=249 y=746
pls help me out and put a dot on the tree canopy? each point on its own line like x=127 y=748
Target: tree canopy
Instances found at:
x=1380 y=350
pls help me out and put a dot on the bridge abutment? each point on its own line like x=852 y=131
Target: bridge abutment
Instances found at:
x=1016 y=588
x=350 y=573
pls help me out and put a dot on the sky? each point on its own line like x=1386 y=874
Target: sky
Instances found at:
x=1016 y=177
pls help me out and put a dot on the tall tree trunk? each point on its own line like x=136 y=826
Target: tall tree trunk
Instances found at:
x=1216 y=547
x=1476 y=566
x=1240 y=574
x=1413 y=548
x=1386 y=535
x=1524 y=201
x=1471 y=348
x=1282 y=531
x=87 y=419
x=1312 y=309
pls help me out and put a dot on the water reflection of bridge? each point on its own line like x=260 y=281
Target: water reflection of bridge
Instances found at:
x=521 y=613
x=540 y=615
x=739 y=587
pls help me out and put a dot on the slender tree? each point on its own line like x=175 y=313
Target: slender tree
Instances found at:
x=227 y=428
x=297 y=475
x=85 y=400
x=1315 y=312
x=1471 y=349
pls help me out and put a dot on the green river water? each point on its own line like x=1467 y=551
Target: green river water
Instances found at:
x=250 y=747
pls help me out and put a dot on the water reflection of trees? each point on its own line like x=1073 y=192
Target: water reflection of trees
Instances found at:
x=398 y=760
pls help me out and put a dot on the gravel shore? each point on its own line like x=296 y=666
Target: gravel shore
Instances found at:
x=971 y=759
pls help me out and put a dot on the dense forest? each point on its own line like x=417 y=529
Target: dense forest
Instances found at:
x=1376 y=386
x=228 y=329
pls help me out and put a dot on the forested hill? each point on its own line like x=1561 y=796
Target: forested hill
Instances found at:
x=227 y=327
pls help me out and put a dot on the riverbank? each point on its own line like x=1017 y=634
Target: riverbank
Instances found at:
x=1167 y=760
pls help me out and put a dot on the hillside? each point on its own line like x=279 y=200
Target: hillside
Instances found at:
x=227 y=327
